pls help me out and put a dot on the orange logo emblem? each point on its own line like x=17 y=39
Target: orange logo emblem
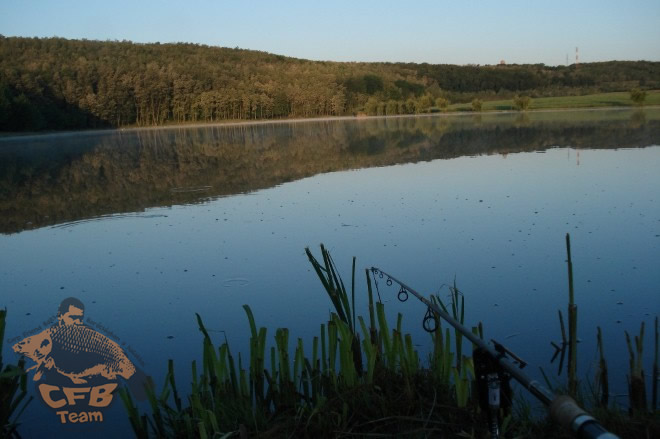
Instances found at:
x=78 y=367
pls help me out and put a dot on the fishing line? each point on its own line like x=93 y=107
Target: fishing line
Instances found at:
x=498 y=365
x=373 y=273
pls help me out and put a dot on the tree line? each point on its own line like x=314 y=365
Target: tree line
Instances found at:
x=54 y=83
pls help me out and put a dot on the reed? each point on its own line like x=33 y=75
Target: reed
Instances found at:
x=331 y=390
x=13 y=390
x=602 y=383
x=655 y=378
x=636 y=385
x=572 y=325
x=387 y=391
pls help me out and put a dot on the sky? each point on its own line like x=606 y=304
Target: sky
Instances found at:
x=436 y=31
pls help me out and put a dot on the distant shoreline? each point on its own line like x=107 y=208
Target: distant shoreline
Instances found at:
x=233 y=123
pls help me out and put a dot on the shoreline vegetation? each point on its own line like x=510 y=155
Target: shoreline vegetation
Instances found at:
x=362 y=377
x=365 y=379
x=460 y=111
x=58 y=84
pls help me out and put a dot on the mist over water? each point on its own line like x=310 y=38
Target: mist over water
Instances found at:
x=149 y=227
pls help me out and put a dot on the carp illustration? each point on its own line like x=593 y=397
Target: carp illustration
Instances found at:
x=75 y=350
x=78 y=352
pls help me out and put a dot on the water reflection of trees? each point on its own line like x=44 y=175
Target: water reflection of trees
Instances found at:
x=50 y=180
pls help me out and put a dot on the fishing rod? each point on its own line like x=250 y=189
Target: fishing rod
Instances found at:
x=563 y=409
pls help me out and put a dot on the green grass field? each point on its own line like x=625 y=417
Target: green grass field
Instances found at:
x=617 y=99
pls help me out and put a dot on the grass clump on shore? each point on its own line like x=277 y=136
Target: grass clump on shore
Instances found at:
x=13 y=390
x=360 y=378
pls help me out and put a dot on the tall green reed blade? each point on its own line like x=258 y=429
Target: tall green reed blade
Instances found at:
x=310 y=384
x=156 y=421
x=397 y=364
x=654 y=376
x=326 y=279
x=458 y=311
x=3 y=318
x=371 y=351
x=202 y=430
x=462 y=379
x=250 y=316
x=282 y=341
x=572 y=324
x=384 y=333
x=353 y=293
x=298 y=363
x=332 y=349
x=441 y=347
x=571 y=291
x=563 y=330
x=602 y=384
x=373 y=332
x=257 y=357
x=235 y=385
x=324 y=357
x=273 y=369
x=397 y=339
x=260 y=364
x=222 y=368
x=209 y=359
x=448 y=356
x=348 y=372
x=195 y=381
x=437 y=363
x=340 y=289
x=412 y=358
x=138 y=423
x=188 y=427
x=212 y=422
x=315 y=354
x=637 y=388
x=13 y=389
x=172 y=382
x=305 y=381
x=461 y=388
x=332 y=283
x=243 y=379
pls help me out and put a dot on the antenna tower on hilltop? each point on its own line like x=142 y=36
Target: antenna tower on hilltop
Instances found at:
x=577 y=60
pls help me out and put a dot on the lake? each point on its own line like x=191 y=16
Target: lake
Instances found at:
x=148 y=227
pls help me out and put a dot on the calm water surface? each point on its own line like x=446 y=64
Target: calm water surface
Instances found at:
x=149 y=227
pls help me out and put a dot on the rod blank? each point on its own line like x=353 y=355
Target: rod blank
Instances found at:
x=563 y=409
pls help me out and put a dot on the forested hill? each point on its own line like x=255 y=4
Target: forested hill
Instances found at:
x=55 y=83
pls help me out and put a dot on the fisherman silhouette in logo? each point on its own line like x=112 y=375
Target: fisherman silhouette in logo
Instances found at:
x=73 y=350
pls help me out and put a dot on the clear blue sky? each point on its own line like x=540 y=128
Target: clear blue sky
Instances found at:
x=436 y=31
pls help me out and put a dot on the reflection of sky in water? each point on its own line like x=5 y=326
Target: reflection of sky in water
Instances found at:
x=495 y=224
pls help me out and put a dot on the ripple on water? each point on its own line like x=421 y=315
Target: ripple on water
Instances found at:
x=235 y=282
x=114 y=216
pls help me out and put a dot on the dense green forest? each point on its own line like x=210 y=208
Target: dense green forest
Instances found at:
x=54 y=83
